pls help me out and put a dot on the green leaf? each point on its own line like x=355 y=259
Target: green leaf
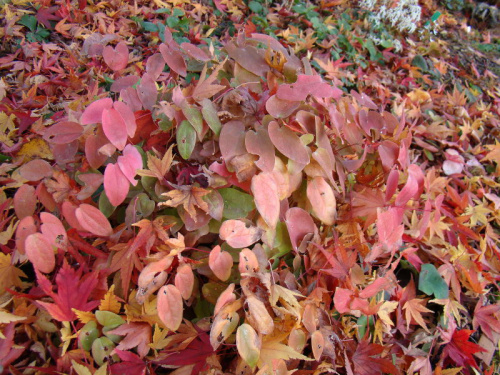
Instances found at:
x=105 y=205
x=101 y=349
x=28 y=21
x=237 y=205
x=186 y=139
x=420 y=62
x=210 y=115
x=431 y=282
x=108 y=318
x=255 y=7
x=193 y=115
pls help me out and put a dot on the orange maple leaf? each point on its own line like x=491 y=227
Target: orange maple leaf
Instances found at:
x=414 y=309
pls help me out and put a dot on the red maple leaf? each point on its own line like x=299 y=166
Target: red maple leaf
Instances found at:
x=45 y=15
x=461 y=350
x=131 y=364
x=367 y=361
x=8 y=352
x=196 y=353
x=73 y=291
x=486 y=317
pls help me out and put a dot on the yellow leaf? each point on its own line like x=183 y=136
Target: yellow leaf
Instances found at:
x=110 y=302
x=66 y=336
x=79 y=368
x=451 y=371
x=159 y=338
x=9 y=274
x=414 y=309
x=37 y=148
x=84 y=316
x=7 y=234
x=273 y=349
x=6 y=317
x=103 y=370
x=384 y=311
x=7 y=129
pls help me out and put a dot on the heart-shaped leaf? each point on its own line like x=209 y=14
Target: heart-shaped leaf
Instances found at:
x=184 y=280
x=130 y=162
x=248 y=344
x=63 y=132
x=116 y=58
x=265 y=192
x=93 y=113
x=128 y=117
x=431 y=282
x=322 y=199
x=220 y=263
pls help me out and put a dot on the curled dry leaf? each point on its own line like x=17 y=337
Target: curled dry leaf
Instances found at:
x=220 y=263
x=248 y=344
x=170 y=306
x=40 y=252
x=93 y=220
x=222 y=327
x=239 y=234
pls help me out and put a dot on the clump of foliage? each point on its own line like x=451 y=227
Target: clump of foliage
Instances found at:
x=229 y=205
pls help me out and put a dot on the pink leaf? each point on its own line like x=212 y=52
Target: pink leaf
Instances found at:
x=124 y=82
x=63 y=132
x=195 y=52
x=127 y=116
x=279 y=108
x=170 y=307
x=155 y=65
x=232 y=140
x=266 y=195
x=93 y=220
x=184 y=280
x=92 y=182
x=413 y=187
x=147 y=92
x=322 y=199
x=130 y=162
x=220 y=263
x=53 y=230
x=69 y=213
x=116 y=184
x=93 y=144
x=306 y=85
x=35 y=170
x=258 y=143
x=288 y=143
x=93 y=113
x=25 y=201
x=40 y=252
x=173 y=59
x=25 y=228
x=239 y=234
x=116 y=58
x=114 y=128
x=299 y=223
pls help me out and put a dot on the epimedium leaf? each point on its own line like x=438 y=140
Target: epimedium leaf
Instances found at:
x=173 y=59
x=186 y=139
x=248 y=344
x=116 y=184
x=288 y=143
x=40 y=252
x=239 y=234
x=114 y=128
x=220 y=262
x=130 y=162
x=193 y=115
x=431 y=282
x=322 y=199
x=170 y=306
x=93 y=113
x=116 y=58
x=93 y=220
x=265 y=192
x=63 y=132
x=237 y=204
x=25 y=201
x=210 y=115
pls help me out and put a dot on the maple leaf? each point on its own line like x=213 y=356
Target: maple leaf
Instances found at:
x=205 y=88
x=130 y=363
x=136 y=335
x=189 y=196
x=367 y=361
x=44 y=15
x=124 y=261
x=414 y=309
x=110 y=302
x=9 y=351
x=461 y=350
x=487 y=317
x=195 y=354
x=73 y=291
x=273 y=349
x=157 y=167
x=9 y=274
x=60 y=186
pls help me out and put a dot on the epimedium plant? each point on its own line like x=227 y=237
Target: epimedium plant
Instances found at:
x=255 y=219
